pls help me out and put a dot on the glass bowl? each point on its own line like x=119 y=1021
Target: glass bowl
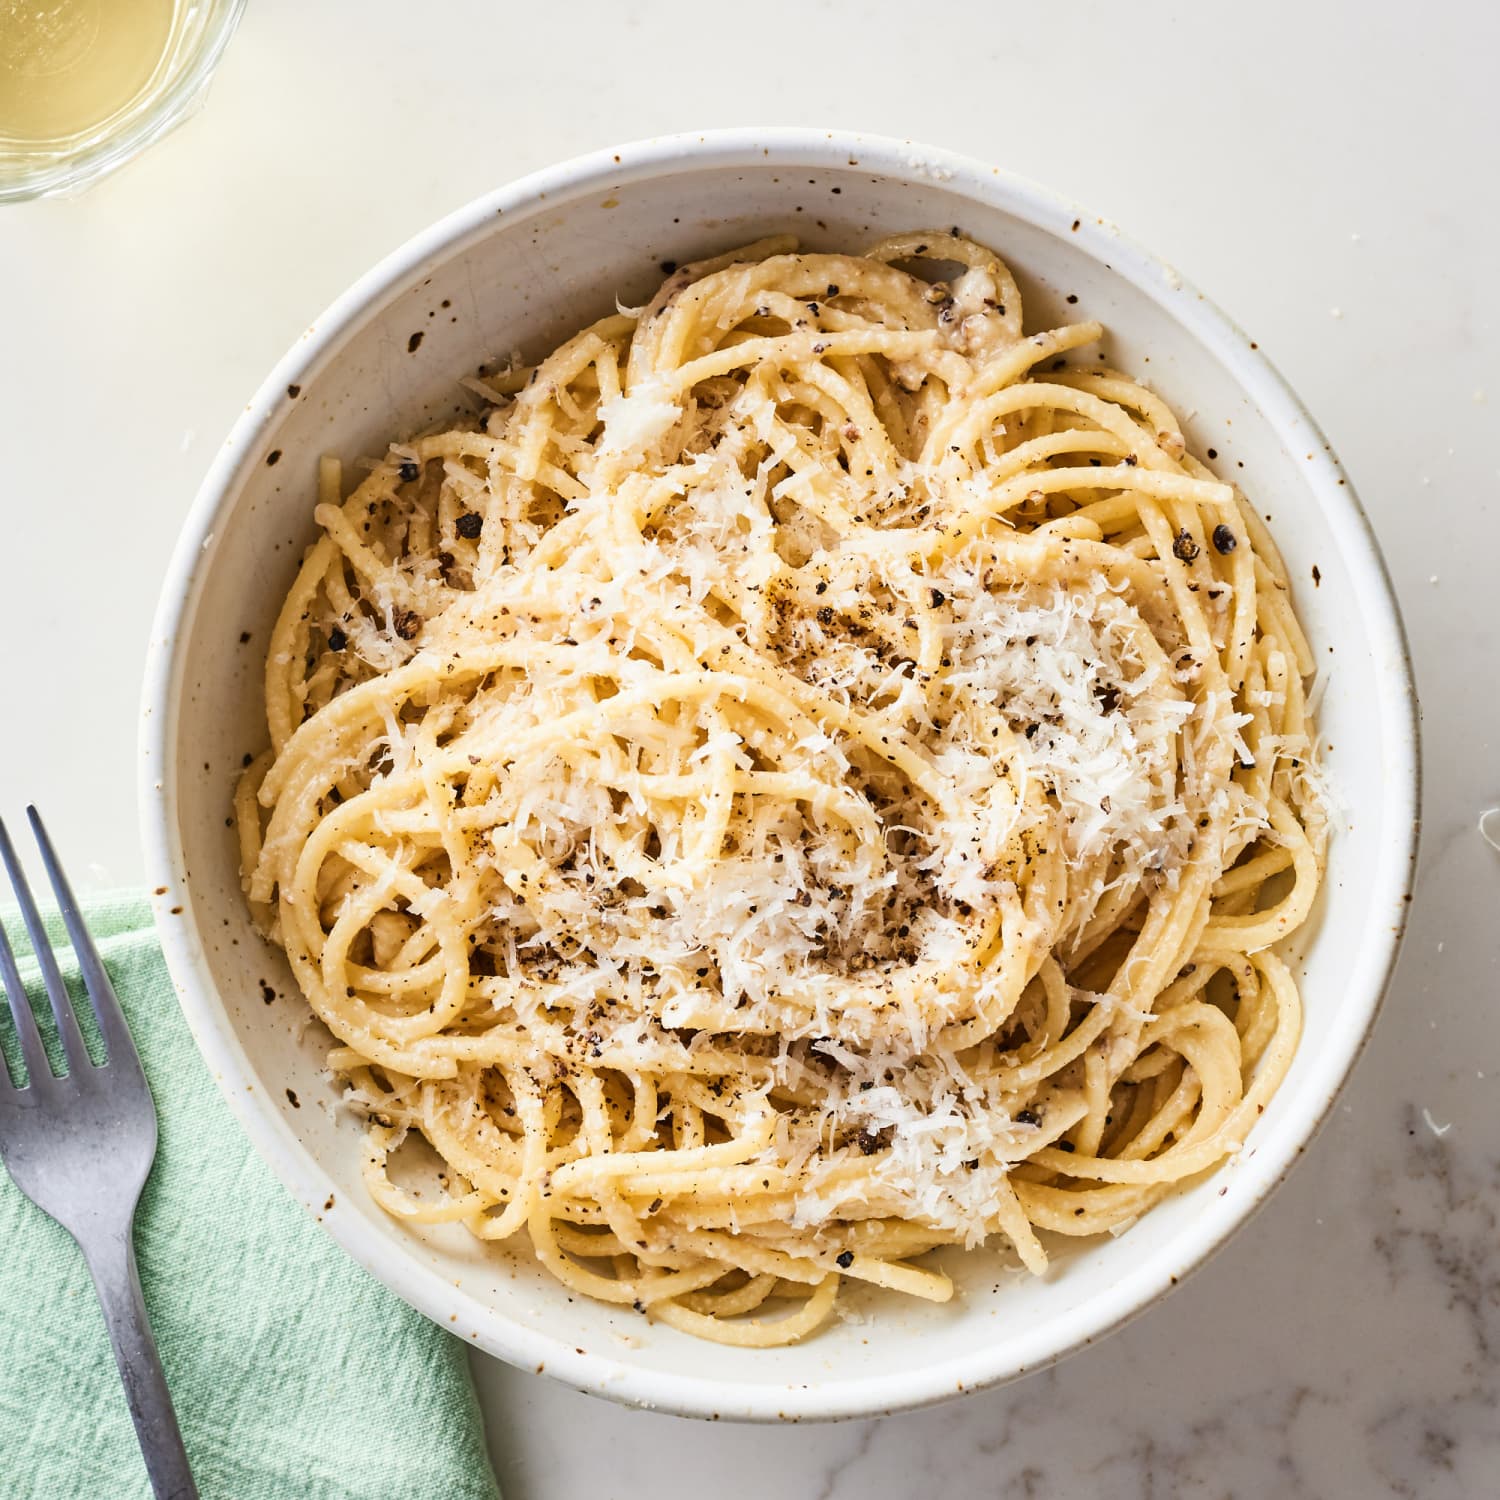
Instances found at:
x=39 y=168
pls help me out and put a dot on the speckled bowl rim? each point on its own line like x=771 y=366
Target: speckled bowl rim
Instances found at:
x=418 y=1282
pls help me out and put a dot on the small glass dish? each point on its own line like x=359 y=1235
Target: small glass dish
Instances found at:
x=45 y=165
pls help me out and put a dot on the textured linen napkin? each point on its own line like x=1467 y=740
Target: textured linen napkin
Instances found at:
x=296 y=1376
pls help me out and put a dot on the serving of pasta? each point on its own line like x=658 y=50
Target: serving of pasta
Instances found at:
x=807 y=774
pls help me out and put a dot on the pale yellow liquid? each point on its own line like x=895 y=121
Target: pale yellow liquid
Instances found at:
x=68 y=66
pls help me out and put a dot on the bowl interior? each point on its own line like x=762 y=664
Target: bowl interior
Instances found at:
x=520 y=272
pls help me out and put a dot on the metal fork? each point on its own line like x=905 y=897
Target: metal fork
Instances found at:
x=80 y=1146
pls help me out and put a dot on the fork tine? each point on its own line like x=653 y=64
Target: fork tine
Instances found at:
x=32 y=1052
x=118 y=1043
x=57 y=992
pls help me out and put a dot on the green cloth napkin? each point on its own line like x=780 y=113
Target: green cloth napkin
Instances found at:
x=296 y=1376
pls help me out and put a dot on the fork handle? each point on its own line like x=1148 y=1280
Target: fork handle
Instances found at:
x=111 y=1262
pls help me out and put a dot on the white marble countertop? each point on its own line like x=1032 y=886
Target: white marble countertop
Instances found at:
x=1324 y=171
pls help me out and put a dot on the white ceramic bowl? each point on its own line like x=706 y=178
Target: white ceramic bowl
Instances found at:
x=522 y=268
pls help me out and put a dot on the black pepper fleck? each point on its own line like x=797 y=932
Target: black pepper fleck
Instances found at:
x=1225 y=540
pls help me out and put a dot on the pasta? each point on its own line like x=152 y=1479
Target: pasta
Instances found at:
x=811 y=773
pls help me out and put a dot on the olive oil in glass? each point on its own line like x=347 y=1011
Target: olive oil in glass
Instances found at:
x=67 y=67
x=87 y=84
